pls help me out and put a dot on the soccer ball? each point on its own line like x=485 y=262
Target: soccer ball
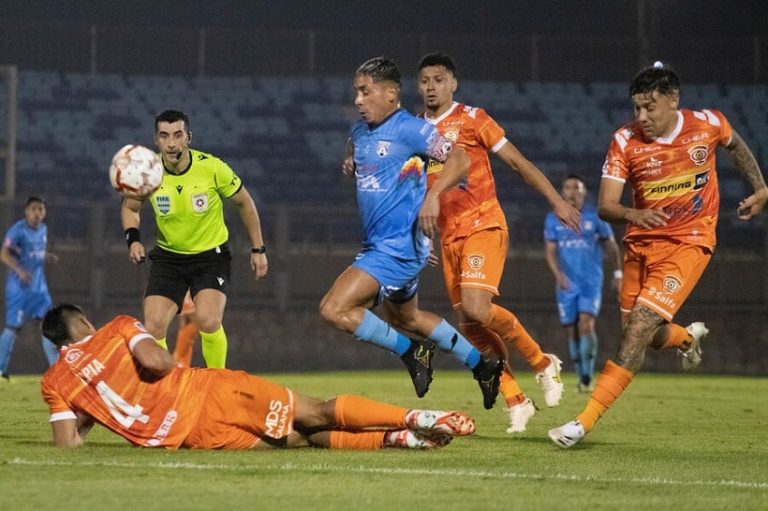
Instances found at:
x=136 y=172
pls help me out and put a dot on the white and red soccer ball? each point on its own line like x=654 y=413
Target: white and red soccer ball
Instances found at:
x=136 y=171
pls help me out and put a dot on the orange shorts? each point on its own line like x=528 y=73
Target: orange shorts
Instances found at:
x=239 y=410
x=476 y=261
x=661 y=274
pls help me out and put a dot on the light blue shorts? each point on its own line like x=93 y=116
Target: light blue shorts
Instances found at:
x=578 y=299
x=398 y=278
x=22 y=306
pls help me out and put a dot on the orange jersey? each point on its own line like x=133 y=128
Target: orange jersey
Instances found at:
x=99 y=377
x=676 y=174
x=472 y=205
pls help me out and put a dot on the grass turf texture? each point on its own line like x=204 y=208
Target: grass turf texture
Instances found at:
x=671 y=442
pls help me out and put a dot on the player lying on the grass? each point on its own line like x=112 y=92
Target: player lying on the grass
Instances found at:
x=119 y=377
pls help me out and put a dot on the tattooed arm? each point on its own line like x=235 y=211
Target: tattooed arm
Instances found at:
x=750 y=171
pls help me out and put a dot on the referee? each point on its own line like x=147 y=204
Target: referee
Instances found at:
x=192 y=250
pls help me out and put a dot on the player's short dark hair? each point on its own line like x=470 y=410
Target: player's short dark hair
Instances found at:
x=171 y=116
x=34 y=198
x=380 y=69
x=573 y=175
x=658 y=77
x=437 y=59
x=56 y=323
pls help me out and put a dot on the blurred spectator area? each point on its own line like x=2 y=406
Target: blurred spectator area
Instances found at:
x=285 y=136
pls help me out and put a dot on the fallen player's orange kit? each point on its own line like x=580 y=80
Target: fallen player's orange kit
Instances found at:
x=99 y=377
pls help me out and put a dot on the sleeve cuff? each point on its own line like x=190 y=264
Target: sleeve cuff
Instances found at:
x=60 y=416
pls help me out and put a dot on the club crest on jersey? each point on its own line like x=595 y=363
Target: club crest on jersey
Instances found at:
x=476 y=261
x=452 y=134
x=698 y=154
x=73 y=355
x=163 y=203
x=382 y=150
x=671 y=284
x=200 y=202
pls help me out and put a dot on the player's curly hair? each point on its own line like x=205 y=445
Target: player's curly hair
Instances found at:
x=437 y=59
x=658 y=77
x=56 y=323
x=380 y=69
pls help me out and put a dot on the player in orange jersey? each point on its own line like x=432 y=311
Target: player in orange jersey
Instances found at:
x=119 y=377
x=187 y=334
x=474 y=233
x=668 y=156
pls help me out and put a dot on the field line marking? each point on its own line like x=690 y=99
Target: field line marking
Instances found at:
x=318 y=468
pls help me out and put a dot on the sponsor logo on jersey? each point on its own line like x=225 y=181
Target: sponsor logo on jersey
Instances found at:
x=700 y=180
x=653 y=163
x=434 y=166
x=163 y=203
x=695 y=138
x=200 y=202
x=646 y=149
x=698 y=154
x=697 y=203
x=675 y=186
x=369 y=183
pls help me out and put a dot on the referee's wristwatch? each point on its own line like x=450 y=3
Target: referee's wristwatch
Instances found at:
x=259 y=250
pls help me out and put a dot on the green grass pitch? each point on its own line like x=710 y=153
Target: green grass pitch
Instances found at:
x=678 y=441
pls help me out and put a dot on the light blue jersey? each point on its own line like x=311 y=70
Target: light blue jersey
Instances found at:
x=580 y=255
x=391 y=185
x=27 y=301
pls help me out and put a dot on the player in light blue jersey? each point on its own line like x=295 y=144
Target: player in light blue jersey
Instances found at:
x=386 y=152
x=24 y=252
x=576 y=261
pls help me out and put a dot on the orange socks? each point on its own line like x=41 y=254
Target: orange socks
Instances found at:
x=509 y=388
x=357 y=440
x=611 y=383
x=485 y=340
x=677 y=337
x=355 y=412
x=185 y=339
x=507 y=326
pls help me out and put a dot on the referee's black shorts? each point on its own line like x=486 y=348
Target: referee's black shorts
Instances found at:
x=171 y=274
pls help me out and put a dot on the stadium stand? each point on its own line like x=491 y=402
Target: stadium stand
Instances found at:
x=285 y=136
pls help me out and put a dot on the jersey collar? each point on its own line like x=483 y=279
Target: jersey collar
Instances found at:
x=373 y=127
x=675 y=132
x=189 y=165
x=437 y=120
